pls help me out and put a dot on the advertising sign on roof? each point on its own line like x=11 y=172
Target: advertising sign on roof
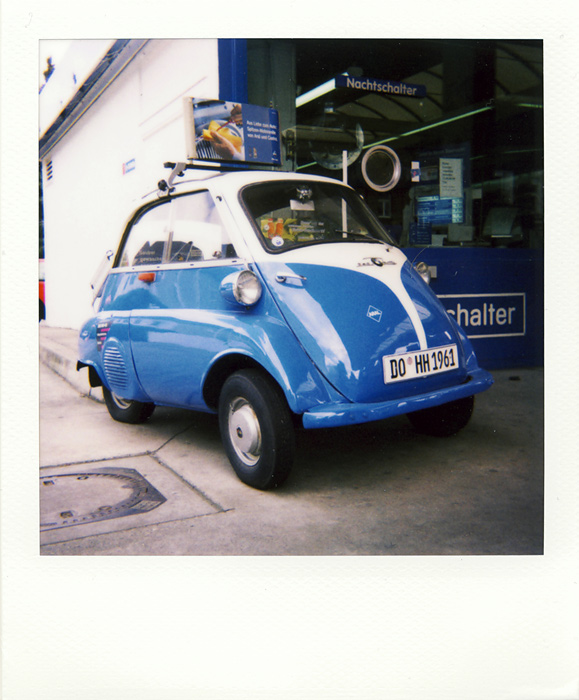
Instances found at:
x=387 y=87
x=217 y=130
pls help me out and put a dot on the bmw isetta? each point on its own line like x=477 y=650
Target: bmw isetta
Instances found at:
x=270 y=299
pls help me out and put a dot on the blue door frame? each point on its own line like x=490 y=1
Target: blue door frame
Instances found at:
x=232 y=56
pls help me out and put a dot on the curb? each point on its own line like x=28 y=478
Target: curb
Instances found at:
x=57 y=352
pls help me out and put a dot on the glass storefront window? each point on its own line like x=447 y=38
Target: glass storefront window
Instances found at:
x=465 y=118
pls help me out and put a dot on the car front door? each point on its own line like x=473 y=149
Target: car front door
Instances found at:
x=169 y=272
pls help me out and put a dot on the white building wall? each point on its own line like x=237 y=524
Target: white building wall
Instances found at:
x=138 y=118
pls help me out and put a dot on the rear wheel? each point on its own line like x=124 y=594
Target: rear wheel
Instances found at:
x=257 y=429
x=126 y=411
x=445 y=420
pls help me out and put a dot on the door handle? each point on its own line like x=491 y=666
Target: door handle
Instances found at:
x=282 y=278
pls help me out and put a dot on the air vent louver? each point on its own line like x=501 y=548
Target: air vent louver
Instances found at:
x=115 y=369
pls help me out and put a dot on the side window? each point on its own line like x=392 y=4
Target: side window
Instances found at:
x=185 y=229
x=146 y=240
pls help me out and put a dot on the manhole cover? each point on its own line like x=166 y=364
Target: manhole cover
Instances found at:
x=89 y=496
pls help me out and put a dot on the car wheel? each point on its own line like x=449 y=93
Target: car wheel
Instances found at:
x=445 y=420
x=257 y=429
x=127 y=411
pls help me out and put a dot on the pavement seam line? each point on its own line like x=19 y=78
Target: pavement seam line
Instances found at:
x=129 y=529
x=153 y=455
x=97 y=459
x=197 y=490
x=170 y=440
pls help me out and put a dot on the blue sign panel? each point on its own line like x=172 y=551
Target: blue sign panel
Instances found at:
x=496 y=295
x=218 y=130
x=488 y=315
x=439 y=210
x=129 y=166
x=420 y=233
x=388 y=87
x=262 y=144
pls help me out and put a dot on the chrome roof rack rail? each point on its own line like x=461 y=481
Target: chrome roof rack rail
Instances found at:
x=178 y=170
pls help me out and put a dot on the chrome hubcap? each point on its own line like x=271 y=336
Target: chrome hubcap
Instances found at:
x=121 y=403
x=244 y=431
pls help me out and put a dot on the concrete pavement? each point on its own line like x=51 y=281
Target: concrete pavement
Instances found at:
x=58 y=351
x=166 y=487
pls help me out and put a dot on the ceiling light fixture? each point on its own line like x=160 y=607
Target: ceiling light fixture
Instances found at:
x=316 y=92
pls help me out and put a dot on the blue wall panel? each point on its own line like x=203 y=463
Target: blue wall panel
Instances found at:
x=497 y=296
x=232 y=54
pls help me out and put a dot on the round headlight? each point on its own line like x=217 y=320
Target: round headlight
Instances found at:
x=247 y=288
x=424 y=271
x=242 y=288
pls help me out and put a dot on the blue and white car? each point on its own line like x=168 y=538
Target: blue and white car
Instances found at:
x=273 y=300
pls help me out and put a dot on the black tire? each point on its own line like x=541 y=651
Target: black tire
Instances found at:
x=256 y=429
x=126 y=411
x=445 y=420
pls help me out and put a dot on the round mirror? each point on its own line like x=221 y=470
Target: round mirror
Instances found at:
x=381 y=168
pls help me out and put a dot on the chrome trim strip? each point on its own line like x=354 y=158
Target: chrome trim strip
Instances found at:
x=226 y=262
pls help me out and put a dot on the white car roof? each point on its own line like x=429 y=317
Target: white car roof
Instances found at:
x=231 y=182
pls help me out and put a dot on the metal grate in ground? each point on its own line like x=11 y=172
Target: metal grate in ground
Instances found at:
x=95 y=498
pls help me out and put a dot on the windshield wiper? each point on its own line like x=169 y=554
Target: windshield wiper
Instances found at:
x=361 y=236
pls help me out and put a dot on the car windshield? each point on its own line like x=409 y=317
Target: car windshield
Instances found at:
x=289 y=214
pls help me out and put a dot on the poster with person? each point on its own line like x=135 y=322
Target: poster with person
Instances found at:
x=218 y=130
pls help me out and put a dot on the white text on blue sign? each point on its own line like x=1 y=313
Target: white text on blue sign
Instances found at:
x=390 y=87
x=488 y=315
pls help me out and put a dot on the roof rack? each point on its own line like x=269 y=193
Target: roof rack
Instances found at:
x=178 y=170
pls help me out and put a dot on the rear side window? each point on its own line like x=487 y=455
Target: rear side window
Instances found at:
x=183 y=229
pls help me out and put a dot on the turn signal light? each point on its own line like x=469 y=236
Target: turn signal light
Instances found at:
x=424 y=271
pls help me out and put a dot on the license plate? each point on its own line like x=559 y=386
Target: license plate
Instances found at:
x=423 y=363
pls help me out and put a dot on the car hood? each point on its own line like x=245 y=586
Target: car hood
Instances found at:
x=351 y=304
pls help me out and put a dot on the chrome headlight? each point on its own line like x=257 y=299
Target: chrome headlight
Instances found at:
x=242 y=288
x=424 y=271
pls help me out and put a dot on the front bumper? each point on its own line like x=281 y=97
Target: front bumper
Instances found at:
x=337 y=414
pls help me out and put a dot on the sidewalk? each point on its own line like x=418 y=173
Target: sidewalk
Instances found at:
x=58 y=350
x=378 y=489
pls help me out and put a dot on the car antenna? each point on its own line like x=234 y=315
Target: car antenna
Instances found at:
x=417 y=254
